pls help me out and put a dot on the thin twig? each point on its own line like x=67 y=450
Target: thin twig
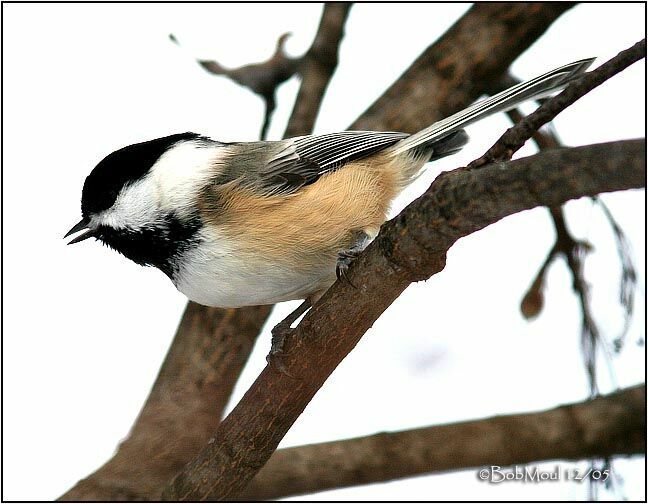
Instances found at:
x=628 y=282
x=516 y=136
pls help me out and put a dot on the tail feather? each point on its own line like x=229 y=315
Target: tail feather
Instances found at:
x=510 y=98
x=448 y=145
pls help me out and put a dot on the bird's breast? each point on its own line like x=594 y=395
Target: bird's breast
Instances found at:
x=225 y=273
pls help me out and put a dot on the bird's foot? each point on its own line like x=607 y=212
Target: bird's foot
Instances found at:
x=346 y=257
x=344 y=260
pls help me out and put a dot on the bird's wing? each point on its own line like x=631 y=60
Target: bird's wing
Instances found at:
x=286 y=165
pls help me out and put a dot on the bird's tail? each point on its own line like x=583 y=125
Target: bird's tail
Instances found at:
x=447 y=136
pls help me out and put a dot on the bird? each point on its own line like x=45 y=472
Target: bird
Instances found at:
x=237 y=224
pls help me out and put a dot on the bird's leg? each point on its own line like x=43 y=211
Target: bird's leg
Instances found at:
x=281 y=330
x=346 y=257
x=279 y=333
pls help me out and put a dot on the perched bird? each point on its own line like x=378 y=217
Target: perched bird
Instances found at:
x=252 y=223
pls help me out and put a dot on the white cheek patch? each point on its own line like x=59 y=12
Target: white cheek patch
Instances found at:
x=181 y=173
x=136 y=207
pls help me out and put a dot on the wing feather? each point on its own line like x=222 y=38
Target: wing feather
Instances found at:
x=300 y=161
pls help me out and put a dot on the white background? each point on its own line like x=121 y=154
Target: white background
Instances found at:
x=85 y=330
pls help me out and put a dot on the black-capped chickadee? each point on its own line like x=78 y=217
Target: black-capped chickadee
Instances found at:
x=252 y=223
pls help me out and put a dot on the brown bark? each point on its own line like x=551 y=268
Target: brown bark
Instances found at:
x=317 y=68
x=184 y=408
x=609 y=425
x=409 y=248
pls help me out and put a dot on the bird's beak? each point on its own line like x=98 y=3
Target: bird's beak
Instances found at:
x=80 y=226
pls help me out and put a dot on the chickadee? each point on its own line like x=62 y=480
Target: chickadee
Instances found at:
x=253 y=223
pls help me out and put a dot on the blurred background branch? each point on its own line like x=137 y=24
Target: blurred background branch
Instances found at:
x=461 y=65
x=317 y=69
x=184 y=407
x=262 y=78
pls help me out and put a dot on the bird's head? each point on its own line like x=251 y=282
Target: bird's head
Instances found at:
x=140 y=200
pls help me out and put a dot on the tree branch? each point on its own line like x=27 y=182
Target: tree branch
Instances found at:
x=317 y=68
x=409 y=248
x=184 y=407
x=605 y=426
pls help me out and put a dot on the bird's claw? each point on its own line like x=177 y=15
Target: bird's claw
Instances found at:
x=345 y=258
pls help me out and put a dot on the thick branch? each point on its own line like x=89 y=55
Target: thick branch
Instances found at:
x=184 y=407
x=602 y=427
x=317 y=69
x=456 y=70
x=410 y=247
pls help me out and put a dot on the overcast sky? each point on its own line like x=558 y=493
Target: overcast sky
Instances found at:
x=85 y=330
